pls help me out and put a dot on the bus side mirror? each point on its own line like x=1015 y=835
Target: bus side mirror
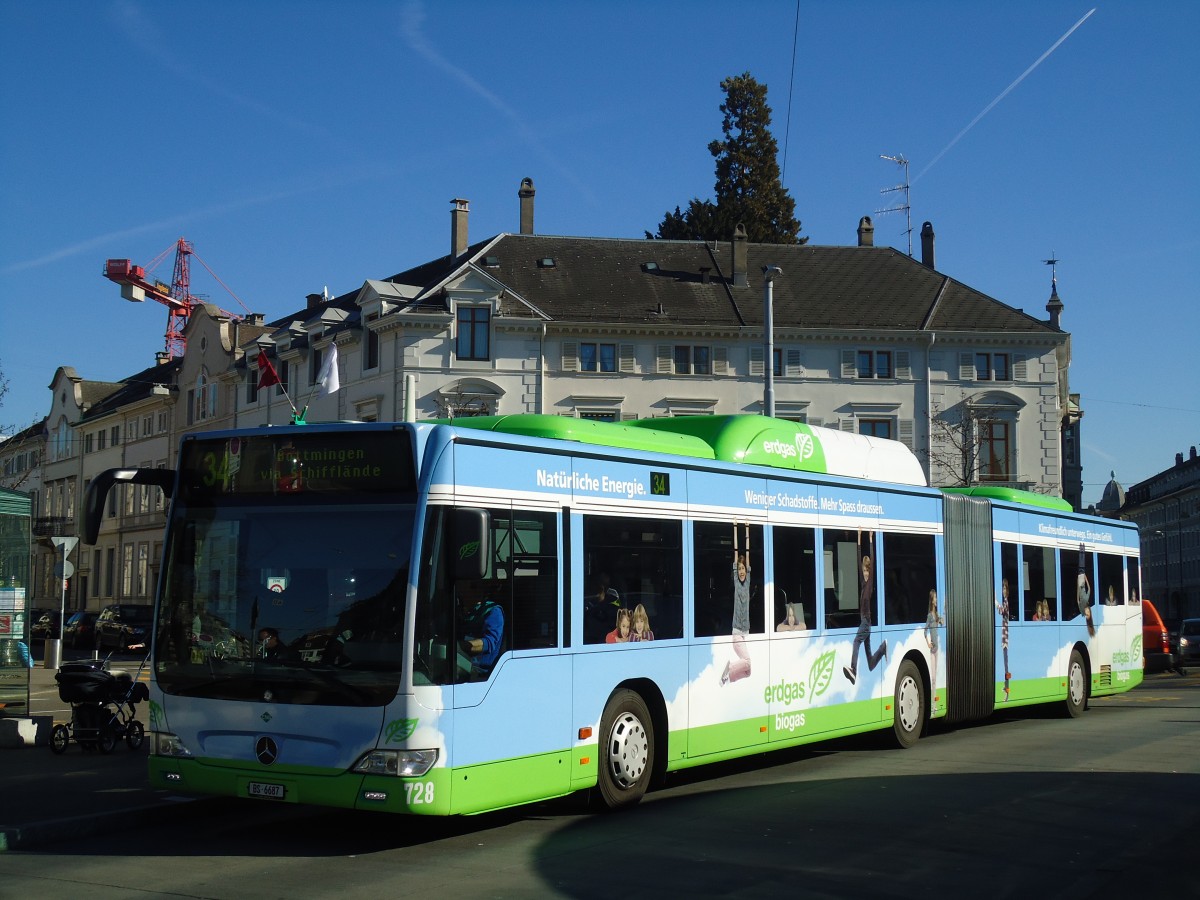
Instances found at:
x=97 y=493
x=471 y=542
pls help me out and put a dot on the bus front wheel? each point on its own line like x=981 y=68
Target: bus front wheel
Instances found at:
x=910 y=705
x=1076 y=701
x=626 y=752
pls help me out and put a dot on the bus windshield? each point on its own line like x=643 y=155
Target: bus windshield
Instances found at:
x=286 y=572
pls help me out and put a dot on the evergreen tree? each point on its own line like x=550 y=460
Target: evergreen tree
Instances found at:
x=748 y=188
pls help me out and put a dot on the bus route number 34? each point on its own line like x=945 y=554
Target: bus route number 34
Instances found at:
x=417 y=793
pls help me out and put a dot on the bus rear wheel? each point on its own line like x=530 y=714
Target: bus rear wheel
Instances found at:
x=910 y=705
x=626 y=750
x=1076 y=701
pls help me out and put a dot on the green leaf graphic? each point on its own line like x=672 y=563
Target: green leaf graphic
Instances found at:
x=821 y=673
x=1135 y=649
x=399 y=730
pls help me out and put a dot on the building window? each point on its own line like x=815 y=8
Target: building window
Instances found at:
x=284 y=371
x=371 y=351
x=690 y=360
x=597 y=357
x=314 y=365
x=87 y=443
x=881 y=428
x=995 y=446
x=116 y=435
x=127 y=571
x=874 y=364
x=601 y=416
x=252 y=376
x=992 y=367
x=110 y=570
x=162 y=422
x=143 y=569
x=472 y=335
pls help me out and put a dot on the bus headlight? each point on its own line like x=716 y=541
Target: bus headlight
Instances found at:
x=163 y=743
x=401 y=763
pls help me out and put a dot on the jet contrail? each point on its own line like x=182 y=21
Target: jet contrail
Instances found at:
x=1004 y=93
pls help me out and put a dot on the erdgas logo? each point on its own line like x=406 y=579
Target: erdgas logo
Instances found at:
x=801 y=448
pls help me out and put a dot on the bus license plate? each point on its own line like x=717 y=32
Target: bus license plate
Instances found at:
x=269 y=791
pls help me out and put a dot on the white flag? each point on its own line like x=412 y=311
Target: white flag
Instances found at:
x=327 y=379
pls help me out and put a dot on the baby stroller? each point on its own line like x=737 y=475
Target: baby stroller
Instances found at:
x=102 y=707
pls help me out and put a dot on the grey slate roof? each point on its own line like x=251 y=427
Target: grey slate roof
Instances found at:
x=604 y=280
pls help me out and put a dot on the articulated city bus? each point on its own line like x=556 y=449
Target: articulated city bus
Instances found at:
x=442 y=618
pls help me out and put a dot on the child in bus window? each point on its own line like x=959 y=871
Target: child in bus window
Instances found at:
x=1002 y=609
x=863 y=635
x=641 y=625
x=620 y=634
x=932 y=620
x=739 y=668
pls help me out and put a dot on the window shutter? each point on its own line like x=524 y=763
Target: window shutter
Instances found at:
x=906 y=433
x=815 y=421
x=793 y=367
x=846 y=425
x=849 y=368
x=1020 y=372
x=966 y=367
x=628 y=355
x=628 y=417
x=665 y=359
x=756 y=361
x=903 y=366
x=570 y=356
x=720 y=358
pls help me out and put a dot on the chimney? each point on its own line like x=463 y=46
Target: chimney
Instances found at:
x=526 y=194
x=314 y=300
x=927 y=245
x=739 y=256
x=458 y=228
x=866 y=232
x=704 y=272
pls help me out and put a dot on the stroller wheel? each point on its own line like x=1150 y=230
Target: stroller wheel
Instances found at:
x=60 y=736
x=135 y=733
x=107 y=741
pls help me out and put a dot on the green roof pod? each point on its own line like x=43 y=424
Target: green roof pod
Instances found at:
x=1013 y=495
x=781 y=444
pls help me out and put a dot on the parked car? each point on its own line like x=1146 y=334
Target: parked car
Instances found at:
x=122 y=624
x=80 y=630
x=1156 y=643
x=44 y=626
x=1189 y=643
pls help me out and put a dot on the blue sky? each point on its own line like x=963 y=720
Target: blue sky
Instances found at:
x=301 y=145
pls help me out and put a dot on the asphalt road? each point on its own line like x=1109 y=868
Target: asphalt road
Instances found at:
x=1024 y=805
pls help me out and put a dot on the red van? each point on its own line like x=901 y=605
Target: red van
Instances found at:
x=1156 y=646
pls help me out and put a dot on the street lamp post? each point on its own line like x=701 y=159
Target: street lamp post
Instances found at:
x=769 y=274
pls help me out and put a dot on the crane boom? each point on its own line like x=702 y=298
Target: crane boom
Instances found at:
x=176 y=296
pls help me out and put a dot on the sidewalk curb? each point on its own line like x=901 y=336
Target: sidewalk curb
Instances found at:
x=36 y=834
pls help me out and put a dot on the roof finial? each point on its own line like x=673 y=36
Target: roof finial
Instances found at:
x=1053 y=262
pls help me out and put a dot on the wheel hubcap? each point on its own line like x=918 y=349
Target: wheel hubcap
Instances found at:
x=1077 y=684
x=628 y=750
x=908 y=704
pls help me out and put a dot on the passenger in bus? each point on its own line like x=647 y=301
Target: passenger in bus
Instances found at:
x=481 y=630
x=598 y=609
x=620 y=634
x=272 y=649
x=740 y=668
x=641 y=625
x=1110 y=599
x=863 y=636
x=1002 y=609
x=791 y=622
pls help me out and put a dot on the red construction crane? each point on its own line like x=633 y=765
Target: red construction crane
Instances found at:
x=176 y=296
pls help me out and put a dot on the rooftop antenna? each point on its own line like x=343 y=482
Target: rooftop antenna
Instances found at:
x=905 y=207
